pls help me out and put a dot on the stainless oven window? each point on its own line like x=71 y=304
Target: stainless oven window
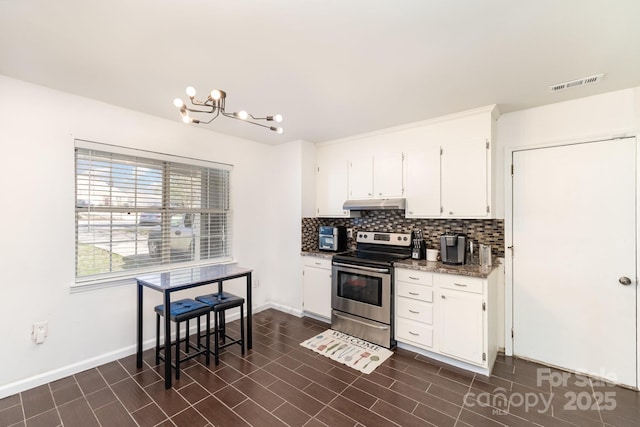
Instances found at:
x=360 y=287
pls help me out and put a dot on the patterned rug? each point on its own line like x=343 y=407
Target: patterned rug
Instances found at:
x=351 y=351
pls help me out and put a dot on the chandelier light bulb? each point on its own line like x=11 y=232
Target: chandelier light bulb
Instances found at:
x=191 y=91
x=216 y=94
x=278 y=118
x=242 y=115
x=178 y=103
x=186 y=118
x=276 y=129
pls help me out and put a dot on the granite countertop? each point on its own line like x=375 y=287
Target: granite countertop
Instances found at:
x=319 y=254
x=438 y=267
x=423 y=265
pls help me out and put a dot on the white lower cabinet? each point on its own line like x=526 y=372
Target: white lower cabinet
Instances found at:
x=452 y=317
x=460 y=325
x=411 y=331
x=316 y=286
x=414 y=307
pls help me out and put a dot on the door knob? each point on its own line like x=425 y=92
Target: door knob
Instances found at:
x=624 y=280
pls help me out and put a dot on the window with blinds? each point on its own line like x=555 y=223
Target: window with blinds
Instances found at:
x=142 y=211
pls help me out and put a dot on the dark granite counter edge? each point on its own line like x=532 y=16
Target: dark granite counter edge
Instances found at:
x=431 y=266
x=439 y=267
x=319 y=254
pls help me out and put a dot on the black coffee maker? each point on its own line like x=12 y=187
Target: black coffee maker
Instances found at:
x=452 y=249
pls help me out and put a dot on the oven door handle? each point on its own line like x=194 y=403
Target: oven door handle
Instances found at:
x=361 y=267
x=351 y=319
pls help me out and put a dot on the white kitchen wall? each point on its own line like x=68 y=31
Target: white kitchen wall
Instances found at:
x=37 y=131
x=289 y=173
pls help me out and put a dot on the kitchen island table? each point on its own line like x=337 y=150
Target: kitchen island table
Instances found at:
x=178 y=280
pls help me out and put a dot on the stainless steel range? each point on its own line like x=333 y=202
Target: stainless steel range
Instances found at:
x=362 y=286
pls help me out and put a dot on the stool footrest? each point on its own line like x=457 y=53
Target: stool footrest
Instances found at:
x=219 y=303
x=183 y=311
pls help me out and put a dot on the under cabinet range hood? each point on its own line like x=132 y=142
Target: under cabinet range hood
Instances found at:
x=374 y=204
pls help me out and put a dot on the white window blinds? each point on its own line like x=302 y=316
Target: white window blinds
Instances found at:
x=144 y=212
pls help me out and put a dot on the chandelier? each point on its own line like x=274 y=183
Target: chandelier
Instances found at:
x=215 y=105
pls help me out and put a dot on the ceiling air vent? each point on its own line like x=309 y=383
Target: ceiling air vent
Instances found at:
x=575 y=83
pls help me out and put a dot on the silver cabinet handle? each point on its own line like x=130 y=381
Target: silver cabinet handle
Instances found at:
x=414 y=278
x=443 y=297
x=461 y=285
x=414 y=312
x=414 y=334
x=414 y=293
x=624 y=281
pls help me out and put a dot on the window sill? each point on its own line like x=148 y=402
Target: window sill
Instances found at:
x=104 y=282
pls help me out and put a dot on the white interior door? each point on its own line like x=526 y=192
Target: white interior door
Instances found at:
x=574 y=238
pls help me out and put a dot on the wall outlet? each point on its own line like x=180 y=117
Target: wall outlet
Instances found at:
x=256 y=283
x=349 y=233
x=39 y=332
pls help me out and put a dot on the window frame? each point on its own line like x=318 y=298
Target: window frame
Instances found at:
x=117 y=277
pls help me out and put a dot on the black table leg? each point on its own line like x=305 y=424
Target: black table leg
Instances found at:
x=139 y=352
x=249 y=314
x=167 y=340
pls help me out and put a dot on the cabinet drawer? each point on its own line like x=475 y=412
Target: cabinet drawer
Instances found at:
x=312 y=261
x=414 y=276
x=414 y=332
x=461 y=283
x=416 y=310
x=410 y=290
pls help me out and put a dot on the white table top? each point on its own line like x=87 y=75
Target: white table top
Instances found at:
x=189 y=277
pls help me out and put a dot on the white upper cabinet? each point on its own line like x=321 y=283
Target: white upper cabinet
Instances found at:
x=442 y=167
x=361 y=177
x=464 y=179
x=378 y=176
x=331 y=186
x=423 y=182
x=387 y=175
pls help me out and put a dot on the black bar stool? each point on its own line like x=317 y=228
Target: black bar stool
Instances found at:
x=183 y=311
x=219 y=303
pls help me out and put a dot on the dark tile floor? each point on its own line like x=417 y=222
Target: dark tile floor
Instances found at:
x=279 y=383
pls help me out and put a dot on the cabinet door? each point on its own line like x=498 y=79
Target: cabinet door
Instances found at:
x=464 y=179
x=387 y=176
x=361 y=178
x=423 y=182
x=460 y=325
x=331 y=187
x=316 y=295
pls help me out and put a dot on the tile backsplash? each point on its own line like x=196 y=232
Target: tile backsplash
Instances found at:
x=485 y=231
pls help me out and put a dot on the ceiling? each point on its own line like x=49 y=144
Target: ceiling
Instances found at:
x=332 y=68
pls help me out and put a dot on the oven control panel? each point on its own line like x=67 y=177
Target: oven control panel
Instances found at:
x=396 y=239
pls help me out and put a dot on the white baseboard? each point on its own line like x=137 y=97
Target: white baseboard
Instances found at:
x=65 y=371
x=74 y=368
